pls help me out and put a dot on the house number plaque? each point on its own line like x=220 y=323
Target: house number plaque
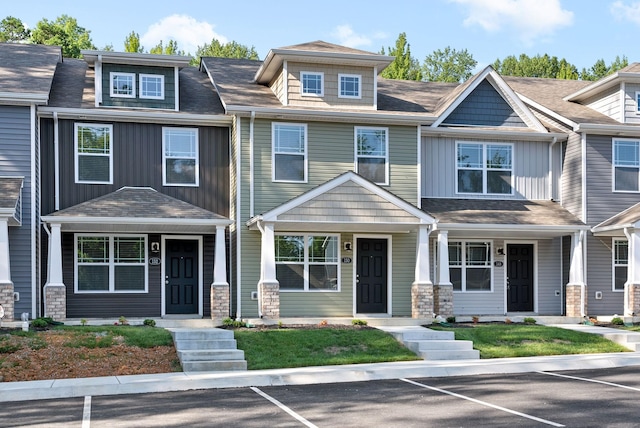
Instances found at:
x=154 y=261
x=346 y=260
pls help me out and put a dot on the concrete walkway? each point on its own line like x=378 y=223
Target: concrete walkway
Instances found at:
x=183 y=381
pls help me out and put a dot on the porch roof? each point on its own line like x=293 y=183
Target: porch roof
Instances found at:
x=10 y=197
x=136 y=209
x=614 y=226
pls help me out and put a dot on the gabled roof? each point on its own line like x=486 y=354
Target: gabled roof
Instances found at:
x=10 y=197
x=630 y=73
x=615 y=225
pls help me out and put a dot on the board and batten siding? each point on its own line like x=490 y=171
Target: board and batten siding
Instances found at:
x=15 y=161
x=530 y=168
x=607 y=103
x=403 y=275
x=631 y=113
x=549 y=277
x=599 y=265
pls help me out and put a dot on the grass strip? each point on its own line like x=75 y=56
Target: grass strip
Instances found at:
x=103 y=336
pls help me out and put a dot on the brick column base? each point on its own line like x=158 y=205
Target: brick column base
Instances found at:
x=270 y=295
x=6 y=300
x=633 y=293
x=443 y=300
x=220 y=301
x=573 y=301
x=55 y=302
x=421 y=300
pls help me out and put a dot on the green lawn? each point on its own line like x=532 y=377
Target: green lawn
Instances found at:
x=103 y=336
x=527 y=340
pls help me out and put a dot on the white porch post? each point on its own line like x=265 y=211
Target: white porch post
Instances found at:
x=576 y=288
x=6 y=285
x=422 y=287
x=55 y=304
x=443 y=289
x=269 y=287
x=632 y=286
x=443 y=258
x=423 y=268
x=220 y=297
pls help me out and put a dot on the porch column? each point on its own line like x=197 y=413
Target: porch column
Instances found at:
x=443 y=290
x=632 y=286
x=576 y=288
x=268 y=287
x=422 y=287
x=55 y=299
x=220 y=293
x=6 y=285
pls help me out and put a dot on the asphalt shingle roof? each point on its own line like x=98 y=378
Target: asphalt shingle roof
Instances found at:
x=624 y=219
x=28 y=68
x=9 y=192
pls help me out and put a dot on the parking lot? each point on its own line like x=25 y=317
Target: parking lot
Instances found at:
x=585 y=398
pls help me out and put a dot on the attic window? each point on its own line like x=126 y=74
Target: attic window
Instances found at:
x=122 y=85
x=312 y=84
x=350 y=86
x=152 y=86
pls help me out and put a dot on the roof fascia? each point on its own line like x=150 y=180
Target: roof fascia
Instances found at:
x=510 y=227
x=495 y=133
x=603 y=129
x=601 y=85
x=547 y=111
x=128 y=58
x=136 y=116
x=135 y=220
x=23 y=98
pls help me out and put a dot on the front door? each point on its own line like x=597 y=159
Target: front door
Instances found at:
x=181 y=276
x=520 y=278
x=371 y=276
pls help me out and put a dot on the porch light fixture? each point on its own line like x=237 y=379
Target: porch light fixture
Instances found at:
x=500 y=251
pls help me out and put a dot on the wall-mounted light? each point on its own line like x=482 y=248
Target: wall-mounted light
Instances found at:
x=347 y=246
x=500 y=251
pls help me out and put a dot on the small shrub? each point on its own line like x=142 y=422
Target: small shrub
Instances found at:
x=475 y=319
x=529 y=320
x=323 y=323
x=123 y=321
x=149 y=322
x=39 y=323
x=83 y=321
x=359 y=322
x=227 y=321
x=451 y=320
x=617 y=321
x=238 y=324
x=507 y=321
x=280 y=324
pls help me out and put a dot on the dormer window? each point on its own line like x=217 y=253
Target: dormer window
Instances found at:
x=350 y=86
x=152 y=86
x=312 y=83
x=123 y=85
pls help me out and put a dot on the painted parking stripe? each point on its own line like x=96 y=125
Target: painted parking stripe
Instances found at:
x=484 y=403
x=283 y=407
x=86 y=412
x=602 y=382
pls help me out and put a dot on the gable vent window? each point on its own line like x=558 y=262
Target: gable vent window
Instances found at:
x=123 y=85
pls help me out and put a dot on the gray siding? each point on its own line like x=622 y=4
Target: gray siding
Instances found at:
x=572 y=175
x=631 y=113
x=607 y=103
x=549 y=277
x=600 y=278
x=169 y=87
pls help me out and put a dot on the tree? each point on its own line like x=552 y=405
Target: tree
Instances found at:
x=170 y=49
x=64 y=32
x=404 y=66
x=132 y=43
x=13 y=30
x=600 y=69
x=448 y=65
x=543 y=66
x=231 y=49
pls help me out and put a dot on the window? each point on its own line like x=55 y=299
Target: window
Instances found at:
x=626 y=165
x=312 y=83
x=350 y=86
x=470 y=266
x=289 y=150
x=180 y=157
x=93 y=153
x=152 y=86
x=110 y=264
x=620 y=263
x=372 y=154
x=484 y=168
x=307 y=262
x=638 y=101
x=123 y=85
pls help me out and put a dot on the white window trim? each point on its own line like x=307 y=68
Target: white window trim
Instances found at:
x=111 y=264
x=464 y=266
x=386 y=156
x=354 y=97
x=314 y=73
x=152 y=76
x=637 y=102
x=77 y=154
x=133 y=83
x=614 y=265
x=614 y=166
x=484 y=145
x=306 y=263
x=273 y=151
x=164 y=158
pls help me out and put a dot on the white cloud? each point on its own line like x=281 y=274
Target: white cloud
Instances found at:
x=187 y=31
x=528 y=20
x=630 y=12
x=347 y=37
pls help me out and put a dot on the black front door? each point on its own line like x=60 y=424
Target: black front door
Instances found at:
x=371 y=276
x=181 y=276
x=520 y=277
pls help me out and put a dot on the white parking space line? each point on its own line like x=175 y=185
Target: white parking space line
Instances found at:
x=86 y=412
x=283 y=407
x=584 y=379
x=484 y=403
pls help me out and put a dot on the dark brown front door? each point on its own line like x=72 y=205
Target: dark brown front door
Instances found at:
x=371 y=276
x=520 y=277
x=181 y=276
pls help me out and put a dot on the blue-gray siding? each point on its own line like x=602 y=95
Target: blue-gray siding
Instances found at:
x=600 y=278
x=169 y=87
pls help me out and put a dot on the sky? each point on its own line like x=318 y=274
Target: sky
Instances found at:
x=581 y=31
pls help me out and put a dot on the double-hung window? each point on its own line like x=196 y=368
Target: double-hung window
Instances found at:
x=110 y=264
x=470 y=265
x=180 y=164
x=122 y=85
x=372 y=153
x=350 y=86
x=311 y=83
x=626 y=165
x=307 y=262
x=289 y=152
x=93 y=153
x=484 y=168
x=152 y=86
x=620 y=263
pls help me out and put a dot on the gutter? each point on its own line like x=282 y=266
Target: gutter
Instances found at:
x=139 y=116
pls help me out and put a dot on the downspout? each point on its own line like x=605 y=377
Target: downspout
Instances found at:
x=630 y=269
x=583 y=285
x=56 y=161
x=251 y=166
x=238 y=177
x=419 y=165
x=583 y=174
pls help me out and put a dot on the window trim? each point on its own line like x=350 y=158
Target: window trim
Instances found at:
x=463 y=266
x=196 y=157
x=306 y=263
x=614 y=166
x=77 y=154
x=614 y=265
x=153 y=76
x=386 y=155
x=484 y=145
x=111 y=263
x=274 y=125
x=637 y=102
x=353 y=97
x=302 y=87
x=114 y=74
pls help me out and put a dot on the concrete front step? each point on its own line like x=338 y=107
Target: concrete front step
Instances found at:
x=434 y=344
x=211 y=355
x=210 y=349
x=205 y=344
x=471 y=354
x=629 y=340
x=214 y=366
x=442 y=345
x=200 y=334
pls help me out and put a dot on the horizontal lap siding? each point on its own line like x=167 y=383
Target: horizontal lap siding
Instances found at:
x=631 y=113
x=607 y=103
x=404 y=265
x=549 y=277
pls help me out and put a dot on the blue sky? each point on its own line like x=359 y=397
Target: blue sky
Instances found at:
x=582 y=31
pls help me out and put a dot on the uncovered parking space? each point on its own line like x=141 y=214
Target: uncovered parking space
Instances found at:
x=61 y=413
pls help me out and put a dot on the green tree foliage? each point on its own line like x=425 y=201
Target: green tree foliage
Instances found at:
x=404 y=66
x=448 y=65
x=132 y=43
x=600 y=69
x=544 y=66
x=64 y=32
x=13 y=30
x=231 y=49
x=171 y=48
